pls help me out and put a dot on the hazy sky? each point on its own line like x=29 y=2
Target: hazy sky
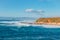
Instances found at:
x=34 y=8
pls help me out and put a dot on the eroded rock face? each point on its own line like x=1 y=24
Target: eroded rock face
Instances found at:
x=48 y=20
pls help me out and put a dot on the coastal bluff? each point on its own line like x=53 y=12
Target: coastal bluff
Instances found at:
x=50 y=20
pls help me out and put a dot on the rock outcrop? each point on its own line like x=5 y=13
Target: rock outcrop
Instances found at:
x=48 y=20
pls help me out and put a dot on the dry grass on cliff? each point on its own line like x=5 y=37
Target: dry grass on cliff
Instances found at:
x=54 y=19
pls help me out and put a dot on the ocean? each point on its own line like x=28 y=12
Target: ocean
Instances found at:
x=27 y=33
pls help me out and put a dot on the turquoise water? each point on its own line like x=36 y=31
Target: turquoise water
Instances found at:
x=29 y=33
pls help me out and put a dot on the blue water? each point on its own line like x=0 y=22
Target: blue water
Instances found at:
x=28 y=33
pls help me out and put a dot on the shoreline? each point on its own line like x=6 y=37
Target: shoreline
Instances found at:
x=58 y=24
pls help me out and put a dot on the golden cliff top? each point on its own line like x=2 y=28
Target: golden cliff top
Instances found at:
x=49 y=20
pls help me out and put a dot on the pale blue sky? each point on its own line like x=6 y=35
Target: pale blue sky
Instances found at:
x=16 y=8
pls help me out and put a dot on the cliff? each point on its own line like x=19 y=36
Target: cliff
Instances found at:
x=48 y=20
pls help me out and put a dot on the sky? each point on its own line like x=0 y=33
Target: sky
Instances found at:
x=29 y=8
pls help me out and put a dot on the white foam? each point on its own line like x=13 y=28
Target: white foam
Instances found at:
x=51 y=26
x=35 y=25
x=19 y=24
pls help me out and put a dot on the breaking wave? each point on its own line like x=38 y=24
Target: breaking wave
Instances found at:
x=19 y=24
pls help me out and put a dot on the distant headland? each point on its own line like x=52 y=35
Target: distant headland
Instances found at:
x=50 y=20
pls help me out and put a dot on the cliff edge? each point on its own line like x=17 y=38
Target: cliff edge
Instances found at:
x=48 y=20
